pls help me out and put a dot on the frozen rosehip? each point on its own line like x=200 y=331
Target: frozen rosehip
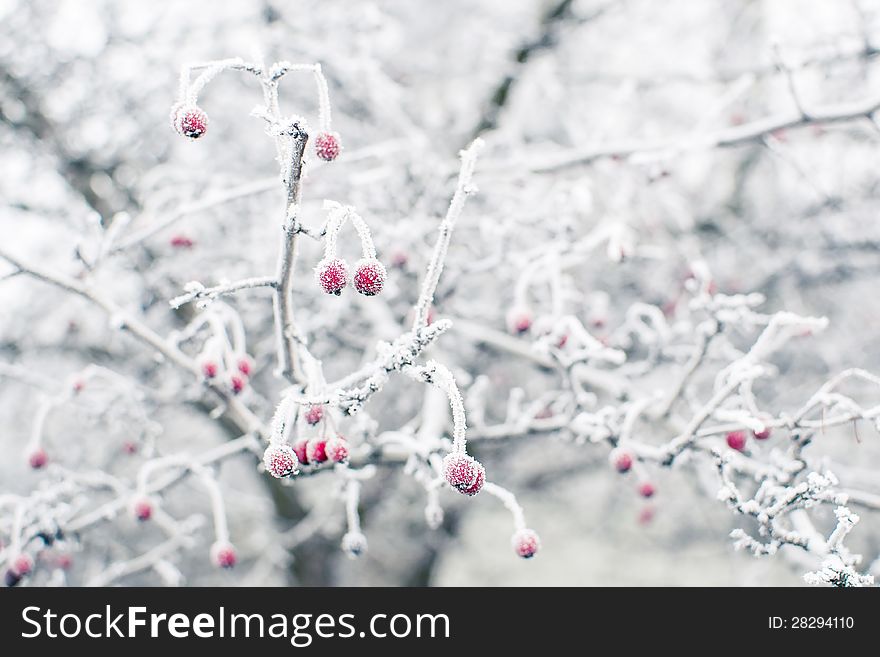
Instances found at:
x=189 y=121
x=316 y=450
x=223 y=554
x=22 y=564
x=332 y=275
x=525 y=543
x=209 y=369
x=327 y=146
x=369 y=277
x=181 y=242
x=237 y=382
x=38 y=458
x=463 y=473
x=621 y=459
x=763 y=434
x=315 y=414
x=646 y=489
x=301 y=449
x=142 y=509
x=736 y=440
x=280 y=461
x=336 y=449
x=354 y=544
x=245 y=365
x=519 y=320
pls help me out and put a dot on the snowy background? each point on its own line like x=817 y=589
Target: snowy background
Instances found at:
x=606 y=126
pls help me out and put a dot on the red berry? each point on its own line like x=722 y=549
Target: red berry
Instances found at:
x=519 y=320
x=463 y=473
x=526 y=543
x=336 y=449
x=300 y=448
x=736 y=440
x=245 y=365
x=209 y=369
x=646 y=489
x=327 y=146
x=332 y=275
x=763 y=434
x=237 y=382
x=621 y=459
x=64 y=561
x=189 y=120
x=78 y=385
x=181 y=242
x=369 y=277
x=316 y=451
x=38 y=458
x=315 y=414
x=143 y=509
x=223 y=554
x=280 y=460
x=129 y=447
x=22 y=564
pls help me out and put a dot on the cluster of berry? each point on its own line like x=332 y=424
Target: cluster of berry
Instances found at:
x=236 y=378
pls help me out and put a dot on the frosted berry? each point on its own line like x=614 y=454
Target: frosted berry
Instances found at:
x=189 y=120
x=245 y=365
x=38 y=458
x=621 y=459
x=315 y=414
x=525 y=543
x=519 y=320
x=22 y=565
x=463 y=473
x=223 y=554
x=369 y=277
x=209 y=369
x=316 y=451
x=332 y=275
x=646 y=489
x=300 y=448
x=142 y=509
x=327 y=146
x=763 y=434
x=736 y=440
x=354 y=544
x=181 y=242
x=237 y=382
x=336 y=449
x=280 y=460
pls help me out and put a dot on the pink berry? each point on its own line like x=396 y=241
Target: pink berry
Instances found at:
x=245 y=365
x=332 y=275
x=64 y=561
x=621 y=459
x=38 y=458
x=130 y=447
x=189 y=121
x=280 y=461
x=316 y=451
x=736 y=440
x=237 y=382
x=336 y=449
x=526 y=543
x=763 y=434
x=209 y=369
x=78 y=386
x=301 y=449
x=327 y=146
x=369 y=277
x=315 y=414
x=463 y=473
x=223 y=554
x=646 y=489
x=181 y=242
x=22 y=564
x=143 y=509
x=519 y=320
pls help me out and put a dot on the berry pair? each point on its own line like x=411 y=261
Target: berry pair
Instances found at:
x=369 y=276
